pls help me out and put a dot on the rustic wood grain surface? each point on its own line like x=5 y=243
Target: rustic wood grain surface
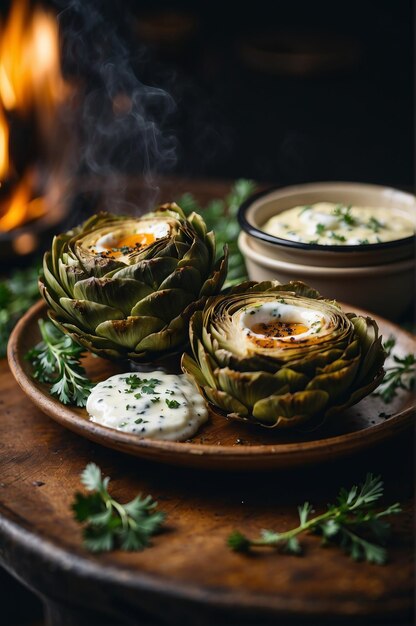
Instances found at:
x=188 y=575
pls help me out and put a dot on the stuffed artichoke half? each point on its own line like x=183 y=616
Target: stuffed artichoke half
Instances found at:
x=278 y=355
x=125 y=287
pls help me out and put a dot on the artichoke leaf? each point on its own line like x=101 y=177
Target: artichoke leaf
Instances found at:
x=165 y=304
x=356 y=395
x=373 y=354
x=88 y=315
x=225 y=402
x=186 y=278
x=198 y=224
x=129 y=332
x=90 y=342
x=336 y=381
x=116 y=293
x=249 y=387
x=299 y=406
x=49 y=278
x=191 y=368
x=152 y=272
x=197 y=256
x=212 y=283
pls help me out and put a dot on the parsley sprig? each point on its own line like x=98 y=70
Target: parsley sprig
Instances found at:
x=400 y=375
x=224 y=212
x=17 y=294
x=350 y=523
x=109 y=524
x=56 y=361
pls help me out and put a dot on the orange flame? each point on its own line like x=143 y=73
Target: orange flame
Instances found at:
x=30 y=81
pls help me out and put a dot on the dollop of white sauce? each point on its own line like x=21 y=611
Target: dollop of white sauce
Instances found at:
x=153 y=405
x=328 y=223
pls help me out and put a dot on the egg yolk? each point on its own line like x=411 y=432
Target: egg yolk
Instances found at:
x=273 y=331
x=129 y=244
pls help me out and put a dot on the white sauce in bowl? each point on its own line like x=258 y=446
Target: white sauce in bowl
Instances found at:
x=328 y=223
x=153 y=405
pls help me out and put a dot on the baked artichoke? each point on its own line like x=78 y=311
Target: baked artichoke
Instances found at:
x=279 y=355
x=125 y=287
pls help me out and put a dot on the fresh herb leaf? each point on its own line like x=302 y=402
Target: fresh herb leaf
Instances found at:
x=320 y=229
x=108 y=524
x=17 y=294
x=351 y=523
x=172 y=404
x=337 y=237
x=344 y=213
x=56 y=361
x=374 y=224
x=400 y=375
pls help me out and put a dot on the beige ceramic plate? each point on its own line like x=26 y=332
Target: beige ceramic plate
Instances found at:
x=222 y=443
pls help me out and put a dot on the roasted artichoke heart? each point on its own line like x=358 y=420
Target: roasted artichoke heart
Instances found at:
x=279 y=355
x=126 y=287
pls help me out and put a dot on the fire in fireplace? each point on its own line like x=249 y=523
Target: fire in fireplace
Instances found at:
x=34 y=135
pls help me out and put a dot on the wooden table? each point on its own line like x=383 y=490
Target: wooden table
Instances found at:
x=188 y=575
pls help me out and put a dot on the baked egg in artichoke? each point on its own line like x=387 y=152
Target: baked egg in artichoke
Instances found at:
x=125 y=287
x=280 y=355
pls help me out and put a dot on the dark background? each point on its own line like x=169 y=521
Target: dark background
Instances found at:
x=280 y=92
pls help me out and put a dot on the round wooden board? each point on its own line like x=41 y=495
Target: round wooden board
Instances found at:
x=222 y=443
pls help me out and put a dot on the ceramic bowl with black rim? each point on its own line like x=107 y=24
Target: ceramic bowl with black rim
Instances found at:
x=377 y=276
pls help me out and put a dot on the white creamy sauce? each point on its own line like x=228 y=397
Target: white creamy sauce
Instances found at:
x=153 y=405
x=328 y=223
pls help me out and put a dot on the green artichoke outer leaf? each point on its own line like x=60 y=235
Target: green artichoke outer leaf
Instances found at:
x=186 y=278
x=207 y=366
x=356 y=396
x=197 y=256
x=336 y=378
x=100 y=346
x=225 y=402
x=191 y=368
x=129 y=332
x=49 y=278
x=210 y=286
x=290 y=409
x=249 y=387
x=116 y=293
x=165 y=304
x=70 y=273
x=371 y=345
x=152 y=272
x=198 y=224
x=88 y=315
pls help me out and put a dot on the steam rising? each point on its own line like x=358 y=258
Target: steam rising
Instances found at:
x=124 y=124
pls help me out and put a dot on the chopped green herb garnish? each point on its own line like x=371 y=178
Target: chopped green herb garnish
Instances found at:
x=344 y=213
x=172 y=404
x=374 y=224
x=154 y=400
x=320 y=229
x=137 y=396
x=337 y=237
